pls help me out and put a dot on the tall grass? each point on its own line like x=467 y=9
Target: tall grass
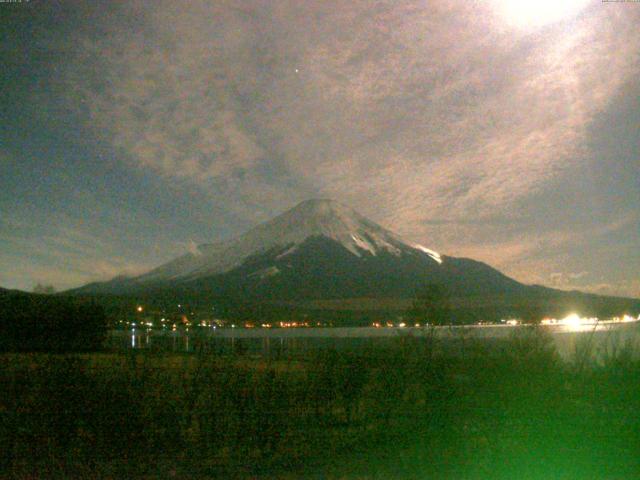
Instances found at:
x=412 y=409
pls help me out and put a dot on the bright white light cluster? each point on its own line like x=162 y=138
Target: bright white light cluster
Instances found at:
x=625 y=319
x=572 y=320
x=575 y=322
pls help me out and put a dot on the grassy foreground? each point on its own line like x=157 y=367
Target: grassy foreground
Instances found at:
x=409 y=410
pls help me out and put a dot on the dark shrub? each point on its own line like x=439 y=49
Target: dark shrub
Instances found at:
x=50 y=324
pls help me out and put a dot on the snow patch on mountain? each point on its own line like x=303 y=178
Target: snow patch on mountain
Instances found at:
x=363 y=245
x=433 y=254
x=266 y=272
x=287 y=252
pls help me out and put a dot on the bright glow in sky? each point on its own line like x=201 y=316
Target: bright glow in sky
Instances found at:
x=535 y=13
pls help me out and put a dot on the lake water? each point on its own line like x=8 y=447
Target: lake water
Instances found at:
x=599 y=339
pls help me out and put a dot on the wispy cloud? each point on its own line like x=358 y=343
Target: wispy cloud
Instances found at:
x=67 y=258
x=435 y=118
x=420 y=103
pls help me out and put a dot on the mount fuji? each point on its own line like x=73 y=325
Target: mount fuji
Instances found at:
x=318 y=249
x=323 y=251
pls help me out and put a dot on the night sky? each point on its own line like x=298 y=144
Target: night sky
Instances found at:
x=506 y=131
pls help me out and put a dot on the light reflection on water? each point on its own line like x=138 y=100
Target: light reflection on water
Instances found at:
x=568 y=336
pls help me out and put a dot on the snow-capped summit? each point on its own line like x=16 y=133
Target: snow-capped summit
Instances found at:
x=318 y=249
x=311 y=218
x=327 y=218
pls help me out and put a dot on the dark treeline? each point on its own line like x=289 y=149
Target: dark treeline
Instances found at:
x=47 y=323
x=531 y=308
x=407 y=410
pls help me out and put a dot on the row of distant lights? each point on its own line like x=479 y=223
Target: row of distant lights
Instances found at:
x=140 y=308
x=391 y=324
x=572 y=320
